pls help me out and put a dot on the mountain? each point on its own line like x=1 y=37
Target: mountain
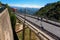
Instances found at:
x=28 y=10
x=50 y=11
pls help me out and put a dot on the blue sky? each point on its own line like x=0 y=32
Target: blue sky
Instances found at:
x=28 y=3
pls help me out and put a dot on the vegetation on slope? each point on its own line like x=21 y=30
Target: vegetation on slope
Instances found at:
x=0 y=4
x=50 y=11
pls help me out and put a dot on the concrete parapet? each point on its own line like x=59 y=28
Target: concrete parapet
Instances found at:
x=5 y=26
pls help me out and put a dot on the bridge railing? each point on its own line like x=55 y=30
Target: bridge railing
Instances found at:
x=37 y=31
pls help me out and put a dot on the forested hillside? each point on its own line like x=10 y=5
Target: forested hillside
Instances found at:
x=50 y=11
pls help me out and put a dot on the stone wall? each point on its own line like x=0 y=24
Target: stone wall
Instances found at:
x=5 y=26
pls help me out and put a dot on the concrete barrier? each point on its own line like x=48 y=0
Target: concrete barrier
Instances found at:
x=5 y=26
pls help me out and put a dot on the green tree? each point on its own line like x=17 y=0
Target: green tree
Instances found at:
x=0 y=4
x=50 y=11
x=13 y=20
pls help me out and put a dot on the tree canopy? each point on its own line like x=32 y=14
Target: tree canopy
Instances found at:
x=0 y=4
x=50 y=11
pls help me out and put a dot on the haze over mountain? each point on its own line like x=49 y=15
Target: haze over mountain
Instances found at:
x=29 y=10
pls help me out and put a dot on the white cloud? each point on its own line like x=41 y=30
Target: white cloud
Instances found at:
x=26 y=5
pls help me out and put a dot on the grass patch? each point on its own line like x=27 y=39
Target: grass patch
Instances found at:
x=27 y=32
x=20 y=35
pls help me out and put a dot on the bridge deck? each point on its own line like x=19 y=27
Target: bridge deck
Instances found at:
x=49 y=27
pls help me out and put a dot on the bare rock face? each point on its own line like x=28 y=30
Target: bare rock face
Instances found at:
x=5 y=26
